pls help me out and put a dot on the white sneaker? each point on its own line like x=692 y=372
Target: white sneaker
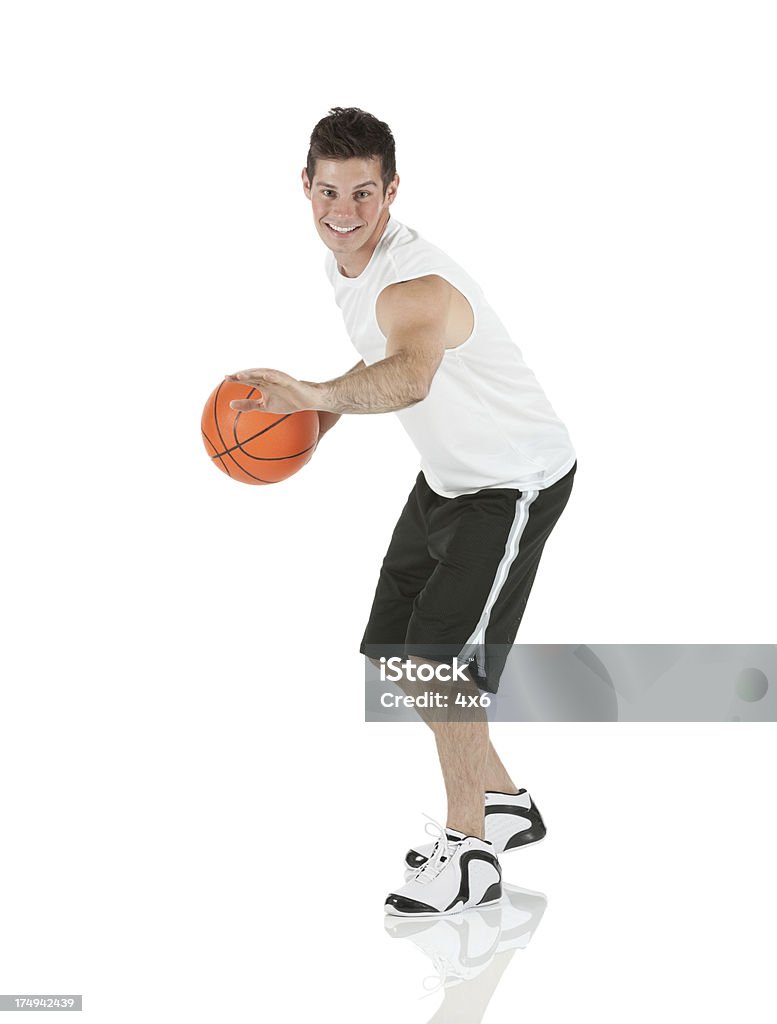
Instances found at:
x=511 y=821
x=460 y=872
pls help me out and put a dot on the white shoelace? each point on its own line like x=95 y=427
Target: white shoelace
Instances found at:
x=440 y=855
x=445 y=972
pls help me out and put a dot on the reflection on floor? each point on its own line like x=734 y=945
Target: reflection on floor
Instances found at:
x=470 y=951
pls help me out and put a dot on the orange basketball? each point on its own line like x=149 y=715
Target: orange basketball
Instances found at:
x=256 y=447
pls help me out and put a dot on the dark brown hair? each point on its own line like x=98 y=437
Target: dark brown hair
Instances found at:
x=347 y=132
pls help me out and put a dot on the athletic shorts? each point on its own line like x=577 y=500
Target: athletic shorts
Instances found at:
x=458 y=573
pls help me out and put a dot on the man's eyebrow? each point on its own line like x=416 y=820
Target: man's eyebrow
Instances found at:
x=325 y=184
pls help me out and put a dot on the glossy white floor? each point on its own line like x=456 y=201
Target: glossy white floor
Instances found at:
x=211 y=893
x=653 y=895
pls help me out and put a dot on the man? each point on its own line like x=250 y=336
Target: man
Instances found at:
x=496 y=472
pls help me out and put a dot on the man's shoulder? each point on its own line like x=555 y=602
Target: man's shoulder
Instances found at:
x=426 y=298
x=406 y=243
x=413 y=256
x=423 y=287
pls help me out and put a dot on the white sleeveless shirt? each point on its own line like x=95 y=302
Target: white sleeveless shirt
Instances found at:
x=486 y=421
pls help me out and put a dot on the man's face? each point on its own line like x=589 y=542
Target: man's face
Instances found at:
x=348 y=195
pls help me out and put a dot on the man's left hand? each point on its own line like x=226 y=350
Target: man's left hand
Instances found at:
x=280 y=393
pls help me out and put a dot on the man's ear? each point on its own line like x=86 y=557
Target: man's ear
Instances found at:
x=305 y=182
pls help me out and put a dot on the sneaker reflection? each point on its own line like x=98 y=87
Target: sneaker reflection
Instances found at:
x=471 y=950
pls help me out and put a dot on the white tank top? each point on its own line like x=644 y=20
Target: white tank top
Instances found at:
x=486 y=421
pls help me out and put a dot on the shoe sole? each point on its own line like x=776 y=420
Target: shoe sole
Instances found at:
x=443 y=913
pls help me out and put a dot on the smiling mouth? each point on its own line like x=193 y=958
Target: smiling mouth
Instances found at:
x=343 y=232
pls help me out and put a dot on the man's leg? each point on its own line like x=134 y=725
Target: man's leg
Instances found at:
x=483 y=801
x=496 y=779
x=463 y=748
x=461 y=736
x=495 y=776
x=461 y=870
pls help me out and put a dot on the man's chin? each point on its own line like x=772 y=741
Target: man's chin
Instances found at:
x=335 y=246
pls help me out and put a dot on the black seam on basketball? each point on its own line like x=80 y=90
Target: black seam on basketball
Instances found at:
x=259 y=432
x=216 y=420
x=253 y=437
x=274 y=458
x=260 y=458
x=221 y=438
x=224 y=466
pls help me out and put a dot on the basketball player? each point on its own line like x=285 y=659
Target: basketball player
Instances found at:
x=497 y=467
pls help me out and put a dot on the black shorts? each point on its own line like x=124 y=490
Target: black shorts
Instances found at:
x=458 y=573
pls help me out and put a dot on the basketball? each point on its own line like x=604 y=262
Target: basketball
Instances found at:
x=256 y=447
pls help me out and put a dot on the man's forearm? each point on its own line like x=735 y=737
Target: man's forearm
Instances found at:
x=390 y=384
x=326 y=420
x=400 y=380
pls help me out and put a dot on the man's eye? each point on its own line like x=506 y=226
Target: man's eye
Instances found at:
x=364 y=193
x=325 y=190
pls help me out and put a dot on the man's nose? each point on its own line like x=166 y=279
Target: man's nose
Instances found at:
x=343 y=209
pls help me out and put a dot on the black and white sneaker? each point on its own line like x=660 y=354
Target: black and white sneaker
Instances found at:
x=460 y=872
x=511 y=821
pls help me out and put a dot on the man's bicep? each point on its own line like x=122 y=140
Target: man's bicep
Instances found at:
x=415 y=316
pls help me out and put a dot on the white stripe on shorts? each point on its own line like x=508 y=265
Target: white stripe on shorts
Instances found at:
x=512 y=545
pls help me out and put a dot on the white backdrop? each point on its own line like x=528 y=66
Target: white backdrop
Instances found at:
x=182 y=685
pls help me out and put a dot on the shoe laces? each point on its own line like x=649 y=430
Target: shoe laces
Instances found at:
x=446 y=973
x=441 y=853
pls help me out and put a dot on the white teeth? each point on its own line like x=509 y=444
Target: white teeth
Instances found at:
x=342 y=231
